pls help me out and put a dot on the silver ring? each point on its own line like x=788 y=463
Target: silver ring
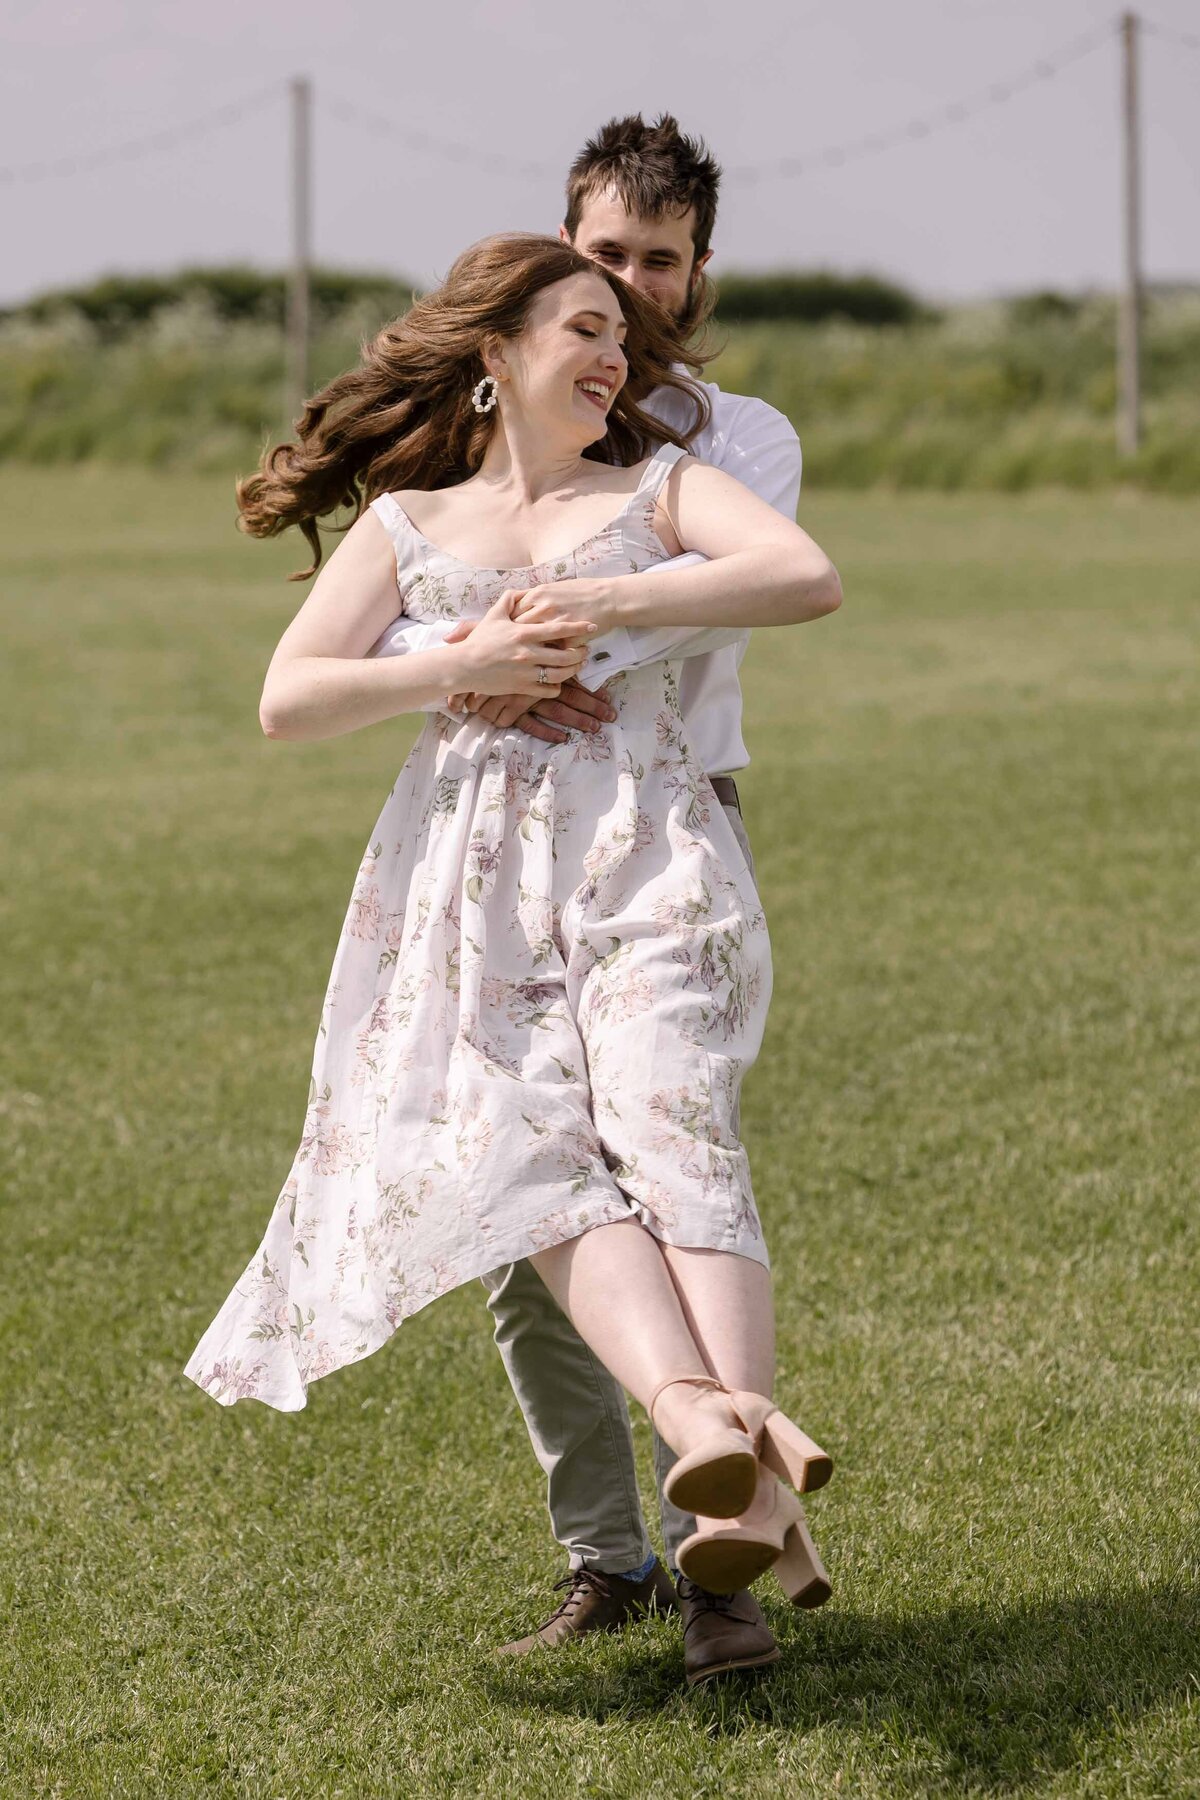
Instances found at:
x=544 y=676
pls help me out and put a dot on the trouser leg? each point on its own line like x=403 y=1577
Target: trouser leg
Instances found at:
x=578 y=1424
x=676 y=1525
x=734 y=814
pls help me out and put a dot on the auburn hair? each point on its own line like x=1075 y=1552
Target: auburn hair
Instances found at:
x=404 y=418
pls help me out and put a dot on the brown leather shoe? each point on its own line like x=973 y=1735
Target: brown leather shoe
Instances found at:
x=722 y=1632
x=598 y=1602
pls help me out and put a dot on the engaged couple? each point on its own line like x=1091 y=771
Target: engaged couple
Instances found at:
x=554 y=970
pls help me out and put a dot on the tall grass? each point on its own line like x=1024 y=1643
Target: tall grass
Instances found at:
x=987 y=396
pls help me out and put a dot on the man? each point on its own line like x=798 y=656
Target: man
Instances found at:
x=641 y=200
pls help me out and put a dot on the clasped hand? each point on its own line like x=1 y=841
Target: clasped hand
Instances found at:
x=579 y=611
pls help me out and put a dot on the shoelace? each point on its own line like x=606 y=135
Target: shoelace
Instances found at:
x=701 y=1597
x=578 y=1581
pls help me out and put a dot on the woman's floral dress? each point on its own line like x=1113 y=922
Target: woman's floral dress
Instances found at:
x=552 y=976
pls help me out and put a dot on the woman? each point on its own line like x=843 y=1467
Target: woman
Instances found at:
x=554 y=969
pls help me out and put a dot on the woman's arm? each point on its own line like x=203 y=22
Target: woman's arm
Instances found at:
x=321 y=684
x=762 y=569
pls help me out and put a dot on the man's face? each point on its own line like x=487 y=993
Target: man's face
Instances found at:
x=655 y=256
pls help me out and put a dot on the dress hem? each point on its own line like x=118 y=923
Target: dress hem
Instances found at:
x=475 y=1269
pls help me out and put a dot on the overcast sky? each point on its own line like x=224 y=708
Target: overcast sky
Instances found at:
x=1023 y=194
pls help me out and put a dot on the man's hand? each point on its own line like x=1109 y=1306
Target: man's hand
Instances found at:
x=575 y=709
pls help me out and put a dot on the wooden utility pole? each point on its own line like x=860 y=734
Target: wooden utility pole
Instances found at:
x=297 y=298
x=1129 y=328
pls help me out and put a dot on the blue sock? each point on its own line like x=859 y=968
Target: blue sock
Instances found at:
x=639 y=1574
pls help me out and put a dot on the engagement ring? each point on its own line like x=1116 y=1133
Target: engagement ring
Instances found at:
x=544 y=676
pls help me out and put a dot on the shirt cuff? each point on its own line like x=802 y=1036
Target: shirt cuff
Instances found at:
x=610 y=655
x=403 y=635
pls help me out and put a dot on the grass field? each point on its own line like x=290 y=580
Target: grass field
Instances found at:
x=974 y=801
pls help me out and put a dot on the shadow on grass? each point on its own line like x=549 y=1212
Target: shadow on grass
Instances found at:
x=996 y=1697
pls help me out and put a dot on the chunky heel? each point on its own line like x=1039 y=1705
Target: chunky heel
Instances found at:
x=790 y=1452
x=800 y=1572
x=782 y=1446
x=725 y=1555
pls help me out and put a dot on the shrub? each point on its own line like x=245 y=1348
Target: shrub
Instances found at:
x=118 y=304
x=788 y=294
x=1046 y=304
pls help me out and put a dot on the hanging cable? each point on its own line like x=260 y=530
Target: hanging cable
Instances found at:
x=956 y=113
x=134 y=149
x=1188 y=39
x=495 y=162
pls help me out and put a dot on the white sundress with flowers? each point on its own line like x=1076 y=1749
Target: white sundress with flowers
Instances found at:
x=552 y=976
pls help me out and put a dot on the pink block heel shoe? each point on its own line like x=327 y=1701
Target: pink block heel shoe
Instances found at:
x=718 y=1477
x=725 y=1555
x=799 y=1571
x=782 y=1446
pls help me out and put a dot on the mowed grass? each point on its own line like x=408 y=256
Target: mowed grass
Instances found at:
x=974 y=801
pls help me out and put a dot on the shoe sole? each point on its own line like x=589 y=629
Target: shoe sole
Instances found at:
x=726 y=1565
x=720 y=1489
x=733 y=1665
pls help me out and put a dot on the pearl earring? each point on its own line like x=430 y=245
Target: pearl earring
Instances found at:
x=477 y=393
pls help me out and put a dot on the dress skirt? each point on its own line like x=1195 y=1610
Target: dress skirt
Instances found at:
x=551 y=979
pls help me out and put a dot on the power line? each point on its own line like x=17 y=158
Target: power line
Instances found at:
x=832 y=156
x=1188 y=39
x=135 y=149
x=957 y=112
x=495 y=162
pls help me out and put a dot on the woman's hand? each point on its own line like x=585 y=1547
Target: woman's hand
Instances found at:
x=582 y=600
x=503 y=654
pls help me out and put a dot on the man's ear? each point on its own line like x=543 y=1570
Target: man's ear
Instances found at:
x=564 y=236
x=699 y=263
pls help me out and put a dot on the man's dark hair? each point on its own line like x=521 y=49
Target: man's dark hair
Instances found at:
x=653 y=169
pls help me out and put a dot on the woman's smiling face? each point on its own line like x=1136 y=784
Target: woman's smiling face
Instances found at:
x=568 y=365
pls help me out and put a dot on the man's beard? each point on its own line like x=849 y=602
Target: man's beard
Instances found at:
x=694 y=312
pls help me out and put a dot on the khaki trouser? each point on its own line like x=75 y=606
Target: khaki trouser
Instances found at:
x=577 y=1418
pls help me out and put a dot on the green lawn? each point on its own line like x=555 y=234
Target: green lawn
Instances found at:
x=974 y=803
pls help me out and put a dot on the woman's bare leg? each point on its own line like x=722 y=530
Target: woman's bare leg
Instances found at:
x=728 y=1306
x=615 y=1285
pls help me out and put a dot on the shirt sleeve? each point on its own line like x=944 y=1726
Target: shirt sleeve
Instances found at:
x=405 y=635
x=632 y=647
x=760 y=447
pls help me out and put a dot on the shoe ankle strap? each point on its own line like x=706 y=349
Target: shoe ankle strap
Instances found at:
x=701 y=1381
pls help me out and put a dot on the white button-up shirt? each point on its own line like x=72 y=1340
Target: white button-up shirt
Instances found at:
x=748 y=439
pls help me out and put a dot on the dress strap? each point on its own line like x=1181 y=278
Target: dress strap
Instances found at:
x=400 y=529
x=390 y=515
x=657 y=469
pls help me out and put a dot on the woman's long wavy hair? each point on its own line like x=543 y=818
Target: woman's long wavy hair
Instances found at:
x=405 y=419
